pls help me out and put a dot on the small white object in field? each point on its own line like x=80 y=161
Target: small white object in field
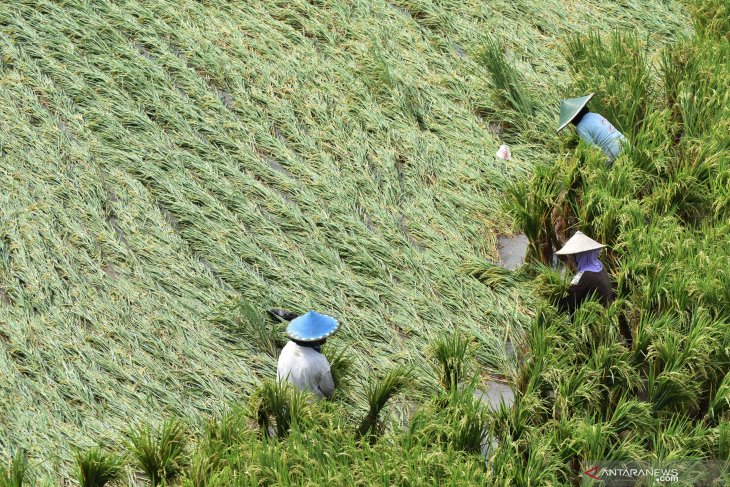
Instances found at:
x=504 y=153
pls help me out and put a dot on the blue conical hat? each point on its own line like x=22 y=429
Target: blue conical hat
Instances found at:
x=569 y=109
x=311 y=327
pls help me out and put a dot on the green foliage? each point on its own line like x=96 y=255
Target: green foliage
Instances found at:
x=15 y=474
x=531 y=205
x=160 y=158
x=646 y=378
x=711 y=18
x=97 y=467
x=550 y=284
x=244 y=322
x=453 y=353
x=378 y=392
x=277 y=407
x=463 y=422
x=341 y=365
x=615 y=67
x=509 y=89
x=720 y=404
x=185 y=155
x=494 y=276
x=160 y=454
x=222 y=434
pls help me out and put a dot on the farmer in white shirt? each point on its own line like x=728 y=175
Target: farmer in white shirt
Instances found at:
x=591 y=127
x=301 y=361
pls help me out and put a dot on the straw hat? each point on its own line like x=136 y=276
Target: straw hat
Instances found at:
x=580 y=242
x=569 y=109
x=311 y=327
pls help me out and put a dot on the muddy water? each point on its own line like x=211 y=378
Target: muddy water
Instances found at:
x=496 y=393
x=512 y=251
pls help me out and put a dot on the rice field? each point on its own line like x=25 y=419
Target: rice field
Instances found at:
x=163 y=161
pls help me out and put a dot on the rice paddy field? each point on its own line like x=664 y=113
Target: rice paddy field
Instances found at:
x=170 y=169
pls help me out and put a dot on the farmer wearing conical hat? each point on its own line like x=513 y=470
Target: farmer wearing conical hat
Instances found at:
x=301 y=361
x=591 y=127
x=591 y=279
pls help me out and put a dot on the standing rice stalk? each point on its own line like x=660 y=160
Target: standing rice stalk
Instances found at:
x=378 y=392
x=278 y=407
x=531 y=205
x=614 y=66
x=97 y=467
x=16 y=474
x=341 y=365
x=510 y=92
x=161 y=454
x=453 y=353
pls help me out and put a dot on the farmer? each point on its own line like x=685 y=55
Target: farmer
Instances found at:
x=301 y=361
x=591 y=279
x=591 y=127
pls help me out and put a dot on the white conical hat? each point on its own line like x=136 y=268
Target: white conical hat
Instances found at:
x=580 y=242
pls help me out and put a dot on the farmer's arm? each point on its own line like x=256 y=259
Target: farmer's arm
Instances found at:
x=584 y=134
x=576 y=294
x=327 y=384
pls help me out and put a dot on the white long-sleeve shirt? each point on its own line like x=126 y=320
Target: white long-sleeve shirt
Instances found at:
x=307 y=369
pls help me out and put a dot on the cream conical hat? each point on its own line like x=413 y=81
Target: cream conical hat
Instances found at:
x=580 y=242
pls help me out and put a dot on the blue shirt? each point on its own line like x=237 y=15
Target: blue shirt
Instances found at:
x=594 y=129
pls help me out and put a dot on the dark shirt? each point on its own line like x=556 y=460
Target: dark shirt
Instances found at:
x=585 y=285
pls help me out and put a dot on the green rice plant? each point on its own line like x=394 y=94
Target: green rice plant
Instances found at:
x=538 y=465
x=693 y=73
x=160 y=454
x=567 y=448
x=591 y=327
x=244 y=322
x=341 y=365
x=224 y=433
x=615 y=66
x=680 y=438
x=575 y=392
x=723 y=452
x=632 y=416
x=278 y=408
x=531 y=205
x=162 y=157
x=453 y=353
x=605 y=215
x=462 y=423
x=425 y=12
x=710 y=18
x=17 y=473
x=378 y=392
x=550 y=284
x=542 y=340
x=600 y=442
x=516 y=424
x=492 y=275
x=675 y=62
x=651 y=151
x=720 y=402
x=510 y=92
x=672 y=389
x=96 y=467
x=649 y=329
x=612 y=366
x=203 y=468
